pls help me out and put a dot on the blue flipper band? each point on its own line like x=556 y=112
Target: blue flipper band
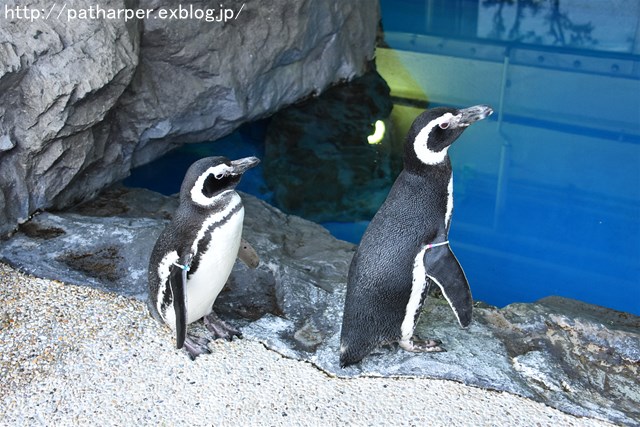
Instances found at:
x=183 y=267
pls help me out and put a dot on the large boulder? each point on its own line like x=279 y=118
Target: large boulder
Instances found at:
x=58 y=83
x=84 y=101
x=570 y=355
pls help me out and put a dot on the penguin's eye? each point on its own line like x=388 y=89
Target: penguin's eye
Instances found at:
x=444 y=125
x=219 y=175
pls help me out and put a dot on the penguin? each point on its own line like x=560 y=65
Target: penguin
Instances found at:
x=193 y=256
x=405 y=249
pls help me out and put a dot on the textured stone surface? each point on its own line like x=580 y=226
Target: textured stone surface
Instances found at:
x=58 y=82
x=272 y=55
x=572 y=356
x=82 y=103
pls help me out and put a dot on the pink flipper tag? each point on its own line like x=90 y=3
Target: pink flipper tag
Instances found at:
x=430 y=245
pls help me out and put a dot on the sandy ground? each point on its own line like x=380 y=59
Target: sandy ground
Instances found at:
x=77 y=356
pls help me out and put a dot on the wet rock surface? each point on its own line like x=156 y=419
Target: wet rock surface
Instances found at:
x=573 y=356
x=83 y=102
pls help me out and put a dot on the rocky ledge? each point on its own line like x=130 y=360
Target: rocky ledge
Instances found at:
x=576 y=357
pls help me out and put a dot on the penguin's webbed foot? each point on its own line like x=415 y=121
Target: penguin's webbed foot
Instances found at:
x=417 y=345
x=219 y=328
x=196 y=346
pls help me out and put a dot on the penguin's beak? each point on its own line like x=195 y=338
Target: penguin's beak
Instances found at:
x=240 y=166
x=473 y=114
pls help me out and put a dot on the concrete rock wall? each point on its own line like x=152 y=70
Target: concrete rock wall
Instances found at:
x=84 y=101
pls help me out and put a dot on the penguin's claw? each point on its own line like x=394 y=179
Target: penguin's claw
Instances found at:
x=219 y=328
x=196 y=346
x=416 y=345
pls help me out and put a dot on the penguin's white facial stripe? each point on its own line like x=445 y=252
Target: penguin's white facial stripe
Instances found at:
x=164 y=270
x=452 y=121
x=447 y=217
x=420 y=145
x=417 y=288
x=219 y=172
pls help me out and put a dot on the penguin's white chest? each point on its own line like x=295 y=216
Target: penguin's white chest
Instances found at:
x=215 y=265
x=447 y=216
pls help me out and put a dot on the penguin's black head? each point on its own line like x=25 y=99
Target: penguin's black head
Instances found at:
x=211 y=176
x=433 y=131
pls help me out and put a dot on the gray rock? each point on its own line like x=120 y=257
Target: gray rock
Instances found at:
x=575 y=356
x=83 y=102
x=58 y=82
x=6 y=143
x=105 y=244
x=570 y=355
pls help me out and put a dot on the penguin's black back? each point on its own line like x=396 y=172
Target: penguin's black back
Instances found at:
x=381 y=273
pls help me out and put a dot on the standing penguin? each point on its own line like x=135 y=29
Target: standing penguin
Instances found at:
x=405 y=247
x=193 y=256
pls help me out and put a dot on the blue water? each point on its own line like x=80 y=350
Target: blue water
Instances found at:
x=547 y=190
x=547 y=193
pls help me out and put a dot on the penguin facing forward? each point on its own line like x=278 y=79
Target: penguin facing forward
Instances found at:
x=405 y=248
x=193 y=257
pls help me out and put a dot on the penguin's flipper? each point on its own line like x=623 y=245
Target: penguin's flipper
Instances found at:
x=444 y=270
x=178 y=283
x=248 y=255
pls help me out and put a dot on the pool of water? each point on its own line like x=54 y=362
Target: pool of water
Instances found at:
x=547 y=191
